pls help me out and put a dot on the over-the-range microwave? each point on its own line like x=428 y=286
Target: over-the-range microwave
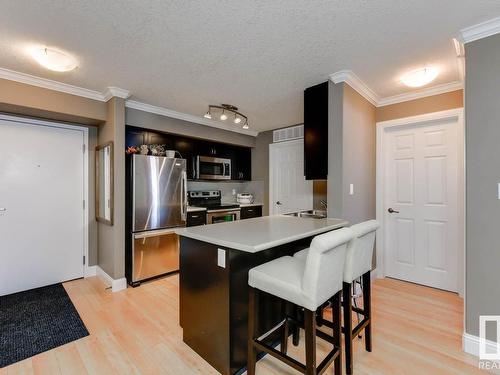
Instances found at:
x=210 y=168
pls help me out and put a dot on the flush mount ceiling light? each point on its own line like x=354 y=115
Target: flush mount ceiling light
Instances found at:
x=420 y=77
x=238 y=117
x=54 y=59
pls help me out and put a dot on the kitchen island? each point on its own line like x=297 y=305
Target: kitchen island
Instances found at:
x=214 y=264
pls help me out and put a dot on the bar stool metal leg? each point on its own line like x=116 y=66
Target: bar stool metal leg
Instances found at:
x=253 y=314
x=346 y=301
x=367 y=309
x=310 y=338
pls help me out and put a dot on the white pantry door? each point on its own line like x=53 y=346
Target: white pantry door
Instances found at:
x=288 y=189
x=41 y=205
x=421 y=190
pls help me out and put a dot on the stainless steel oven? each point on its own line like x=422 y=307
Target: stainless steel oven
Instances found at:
x=210 y=168
x=223 y=215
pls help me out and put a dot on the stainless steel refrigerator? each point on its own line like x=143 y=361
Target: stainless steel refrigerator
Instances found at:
x=159 y=195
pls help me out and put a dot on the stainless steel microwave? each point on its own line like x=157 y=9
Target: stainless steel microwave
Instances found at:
x=210 y=168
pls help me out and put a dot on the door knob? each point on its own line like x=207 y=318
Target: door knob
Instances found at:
x=391 y=211
x=278 y=203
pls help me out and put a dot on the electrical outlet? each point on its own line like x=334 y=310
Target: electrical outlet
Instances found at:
x=221 y=258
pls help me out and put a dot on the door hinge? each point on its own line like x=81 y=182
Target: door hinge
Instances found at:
x=84 y=260
x=83 y=148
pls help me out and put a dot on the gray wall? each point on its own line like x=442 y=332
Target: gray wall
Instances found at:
x=482 y=118
x=351 y=155
x=153 y=121
x=260 y=165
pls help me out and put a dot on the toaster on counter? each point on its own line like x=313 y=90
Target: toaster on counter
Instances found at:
x=244 y=198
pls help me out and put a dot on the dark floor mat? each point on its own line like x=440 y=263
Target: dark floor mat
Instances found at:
x=35 y=321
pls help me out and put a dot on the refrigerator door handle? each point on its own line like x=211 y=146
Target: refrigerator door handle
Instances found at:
x=153 y=233
x=184 y=196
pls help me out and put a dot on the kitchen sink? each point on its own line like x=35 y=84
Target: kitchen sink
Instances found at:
x=310 y=214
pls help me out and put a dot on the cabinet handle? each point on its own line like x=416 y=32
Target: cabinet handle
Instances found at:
x=249 y=210
x=194 y=216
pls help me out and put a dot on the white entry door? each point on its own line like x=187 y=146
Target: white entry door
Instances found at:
x=421 y=196
x=41 y=205
x=288 y=189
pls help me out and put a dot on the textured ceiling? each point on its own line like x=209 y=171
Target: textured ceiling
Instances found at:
x=258 y=55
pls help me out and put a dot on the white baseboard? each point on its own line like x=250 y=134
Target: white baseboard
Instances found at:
x=470 y=344
x=90 y=271
x=116 y=285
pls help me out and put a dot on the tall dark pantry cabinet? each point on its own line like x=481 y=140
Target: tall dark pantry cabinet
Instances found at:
x=316 y=132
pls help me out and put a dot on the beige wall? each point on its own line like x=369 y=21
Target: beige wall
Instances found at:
x=435 y=103
x=111 y=240
x=33 y=101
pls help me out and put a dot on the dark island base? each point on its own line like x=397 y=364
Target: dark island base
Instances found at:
x=214 y=300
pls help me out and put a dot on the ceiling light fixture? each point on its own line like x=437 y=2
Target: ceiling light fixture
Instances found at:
x=420 y=77
x=238 y=117
x=54 y=59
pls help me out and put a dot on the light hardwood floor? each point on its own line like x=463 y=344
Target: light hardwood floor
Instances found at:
x=416 y=330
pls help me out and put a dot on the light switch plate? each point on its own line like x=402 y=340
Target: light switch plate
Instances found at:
x=221 y=258
x=351 y=189
x=499 y=190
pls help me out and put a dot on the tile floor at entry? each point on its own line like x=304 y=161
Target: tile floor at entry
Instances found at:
x=417 y=330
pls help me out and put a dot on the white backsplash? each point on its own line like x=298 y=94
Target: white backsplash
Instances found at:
x=254 y=187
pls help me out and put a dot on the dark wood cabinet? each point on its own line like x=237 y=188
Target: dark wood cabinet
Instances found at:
x=190 y=148
x=249 y=212
x=316 y=132
x=241 y=163
x=196 y=218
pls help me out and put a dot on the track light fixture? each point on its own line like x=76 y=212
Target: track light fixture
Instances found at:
x=238 y=117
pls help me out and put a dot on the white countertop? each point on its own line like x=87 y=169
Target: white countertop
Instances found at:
x=260 y=233
x=195 y=209
x=250 y=204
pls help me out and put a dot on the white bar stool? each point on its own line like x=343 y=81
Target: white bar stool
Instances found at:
x=358 y=264
x=307 y=284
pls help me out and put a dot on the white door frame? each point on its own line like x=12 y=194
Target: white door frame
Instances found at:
x=88 y=270
x=426 y=119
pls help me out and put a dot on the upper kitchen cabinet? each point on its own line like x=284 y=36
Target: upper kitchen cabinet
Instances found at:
x=241 y=164
x=316 y=132
x=214 y=149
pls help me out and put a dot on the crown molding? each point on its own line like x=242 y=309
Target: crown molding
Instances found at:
x=45 y=83
x=460 y=52
x=347 y=76
x=429 y=91
x=356 y=83
x=115 y=92
x=479 y=31
x=186 y=117
x=110 y=92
